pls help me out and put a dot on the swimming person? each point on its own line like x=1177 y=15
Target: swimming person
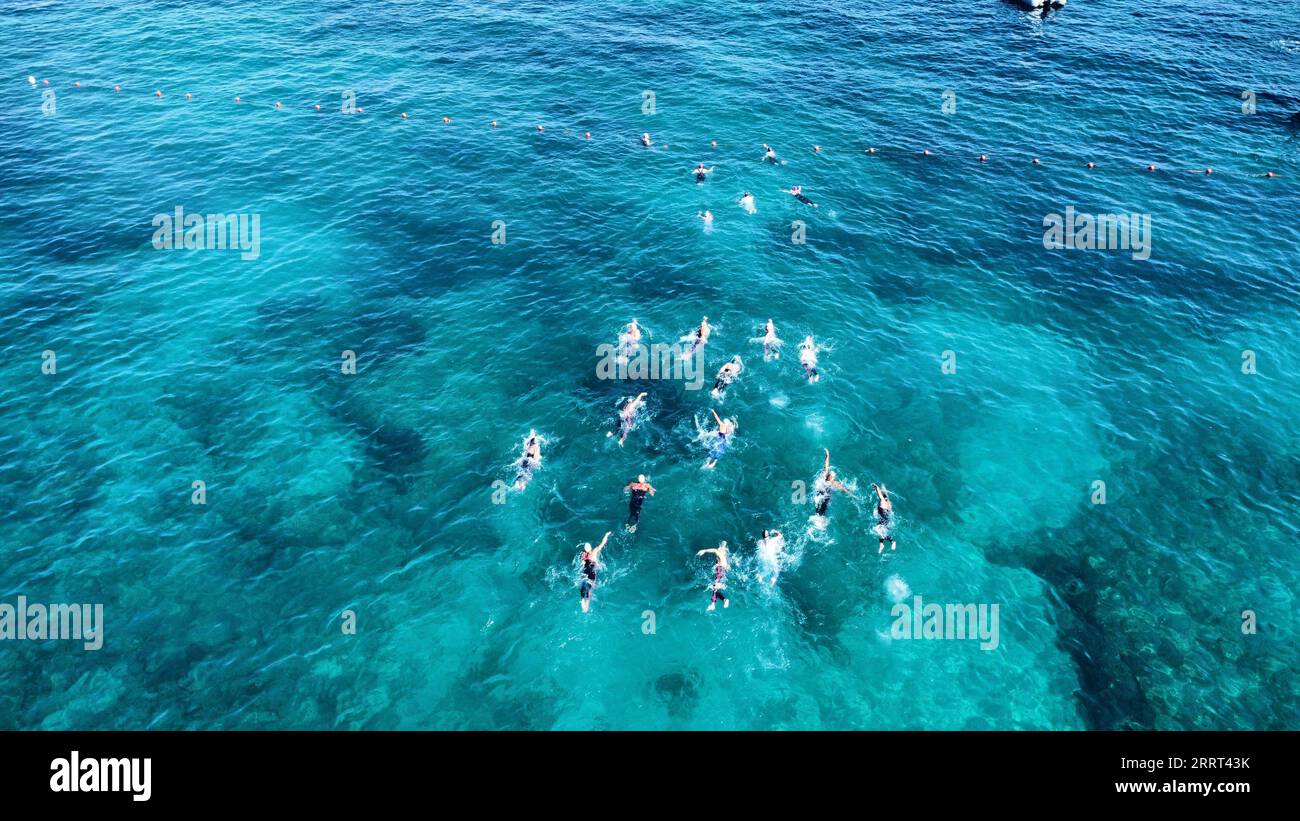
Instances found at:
x=626 y=417
x=590 y=564
x=808 y=358
x=796 y=191
x=769 y=553
x=639 y=489
x=769 y=154
x=884 y=518
x=721 y=439
x=825 y=485
x=530 y=461
x=726 y=375
x=629 y=340
x=707 y=216
x=699 y=171
x=771 y=345
x=720 y=569
x=699 y=336
x=645 y=139
x=747 y=202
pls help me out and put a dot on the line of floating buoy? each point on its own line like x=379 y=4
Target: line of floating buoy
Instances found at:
x=586 y=135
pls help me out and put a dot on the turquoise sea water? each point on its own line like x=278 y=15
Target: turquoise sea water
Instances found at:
x=373 y=492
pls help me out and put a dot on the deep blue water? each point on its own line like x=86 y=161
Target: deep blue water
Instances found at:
x=374 y=492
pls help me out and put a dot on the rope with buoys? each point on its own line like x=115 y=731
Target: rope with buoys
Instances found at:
x=540 y=129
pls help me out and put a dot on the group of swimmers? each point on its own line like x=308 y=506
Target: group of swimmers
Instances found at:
x=772 y=543
x=746 y=200
x=721 y=436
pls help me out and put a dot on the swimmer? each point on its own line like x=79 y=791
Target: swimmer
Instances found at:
x=884 y=518
x=629 y=340
x=720 y=569
x=645 y=140
x=530 y=461
x=726 y=375
x=699 y=171
x=700 y=336
x=808 y=358
x=590 y=564
x=796 y=191
x=707 y=216
x=769 y=553
x=747 y=202
x=639 y=489
x=769 y=155
x=721 y=439
x=626 y=416
x=771 y=345
x=825 y=485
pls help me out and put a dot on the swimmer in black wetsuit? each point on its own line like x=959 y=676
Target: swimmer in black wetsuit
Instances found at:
x=590 y=563
x=726 y=375
x=769 y=155
x=699 y=171
x=639 y=489
x=796 y=191
x=720 y=568
x=530 y=461
x=700 y=336
x=884 y=518
x=645 y=139
x=825 y=485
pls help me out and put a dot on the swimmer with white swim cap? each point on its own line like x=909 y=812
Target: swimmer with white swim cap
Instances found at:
x=590 y=564
x=700 y=336
x=720 y=568
x=769 y=553
x=629 y=340
x=808 y=358
x=825 y=485
x=726 y=375
x=771 y=344
x=747 y=202
x=796 y=191
x=884 y=518
x=626 y=417
x=638 y=489
x=720 y=439
x=645 y=139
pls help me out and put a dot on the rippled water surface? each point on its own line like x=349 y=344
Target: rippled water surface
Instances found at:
x=373 y=492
